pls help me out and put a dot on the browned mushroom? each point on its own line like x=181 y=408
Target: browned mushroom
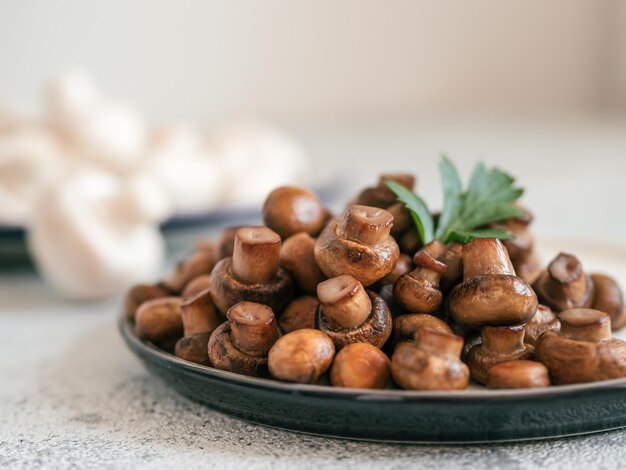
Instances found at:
x=360 y=365
x=302 y=356
x=499 y=344
x=452 y=257
x=252 y=273
x=405 y=326
x=300 y=313
x=289 y=210
x=544 y=320
x=298 y=258
x=402 y=220
x=409 y=242
x=380 y=195
x=564 y=284
x=418 y=291
x=225 y=245
x=430 y=362
x=199 y=314
x=194 y=348
x=583 y=351
x=241 y=344
x=200 y=262
x=197 y=285
x=518 y=374
x=403 y=266
x=348 y=314
x=490 y=294
x=140 y=293
x=359 y=244
x=609 y=298
x=159 y=320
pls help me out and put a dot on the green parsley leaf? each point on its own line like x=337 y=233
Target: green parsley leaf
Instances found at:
x=466 y=237
x=417 y=207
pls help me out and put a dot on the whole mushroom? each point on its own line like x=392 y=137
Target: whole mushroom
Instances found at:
x=499 y=344
x=140 y=293
x=380 y=195
x=418 y=290
x=583 y=351
x=298 y=258
x=349 y=314
x=359 y=244
x=360 y=365
x=159 y=320
x=405 y=326
x=544 y=320
x=289 y=210
x=200 y=318
x=491 y=293
x=300 y=313
x=252 y=273
x=430 y=362
x=564 y=284
x=302 y=356
x=241 y=344
x=610 y=299
x=518 y=374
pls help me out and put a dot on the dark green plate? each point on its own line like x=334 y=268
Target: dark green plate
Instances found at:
x=394 y=415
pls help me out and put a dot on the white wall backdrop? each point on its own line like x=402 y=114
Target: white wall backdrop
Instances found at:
x=324 y=59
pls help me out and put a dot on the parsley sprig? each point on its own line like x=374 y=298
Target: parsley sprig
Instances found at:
x=466 y=215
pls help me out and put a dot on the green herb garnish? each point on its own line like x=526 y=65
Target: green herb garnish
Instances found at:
x=466 y=215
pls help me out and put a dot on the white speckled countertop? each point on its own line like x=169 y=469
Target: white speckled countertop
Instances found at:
x=72 y=395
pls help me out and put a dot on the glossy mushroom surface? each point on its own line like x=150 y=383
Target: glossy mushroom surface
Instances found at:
x=380 y=195
x=543 y=320
x=518 y=374
x=298 y=258
x=361 y=365
x=159 y=320
x=289 y=210
x=359 y=243
x=300 y=313
x=349 y=314
x=405 y=326
x=139 y=294
x=609 y=298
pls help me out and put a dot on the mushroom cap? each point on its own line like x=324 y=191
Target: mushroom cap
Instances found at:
x=289 y=210
x=224 y=355
x=298 y=258
x=414 y=368
x=194 y=348
x=197 y=285
x=360 y=365
x=609 y=298
x=225 y=244
x=199 y=314
x=336 y=255
x=402 y=266
x=301 y=356
x=543 y=320
x=140 y=293
x=375 y=330
x=380 y=195
x=300 y=313
x=417 y=294
x=200 y=262
x=493 y=299
x=227 y=291
x=158 y=320
x=518 y=374
x=405 y=326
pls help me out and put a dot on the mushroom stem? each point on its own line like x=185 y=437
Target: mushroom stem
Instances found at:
x=503 y=339
x=439 y=343
x=253 y=328
x=344 y=301
x=256 y=255
x=485 y=256
x=365 y=224
x=585 y=324
x=427 y=266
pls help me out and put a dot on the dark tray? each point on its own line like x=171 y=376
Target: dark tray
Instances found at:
x=468 y=416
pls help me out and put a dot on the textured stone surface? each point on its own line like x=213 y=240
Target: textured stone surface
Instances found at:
x=71 y=394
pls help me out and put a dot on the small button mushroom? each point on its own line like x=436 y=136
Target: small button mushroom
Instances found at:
x=409 y=242
x=225 y=245
x=608 y=298
x=289 y=210
x=380 y=195
x=300 y=313
x=197 y=285
x=452 y=257
x=302 y=356
x=402 y=220
x=405 y=326
x=298 y=258
x=359 y=244
x=252 y=273
x=564 y=284
x=583 y=351
x=241 y=344
x=418 y=291
x=490 y=294
x=430 y=362
x=199 y=314
x=200 y=262
x=159 y=320
x=194 y=348
x=499 y=344
x=360 y=365
x=544 y=320
x=402 y=266
x=348 y=314
x=518 y=374
x=140 y=293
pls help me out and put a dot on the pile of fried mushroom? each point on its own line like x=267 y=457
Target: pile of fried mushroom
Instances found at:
x=355 y=300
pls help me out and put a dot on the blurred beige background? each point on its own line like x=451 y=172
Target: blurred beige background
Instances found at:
x=325 y=60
